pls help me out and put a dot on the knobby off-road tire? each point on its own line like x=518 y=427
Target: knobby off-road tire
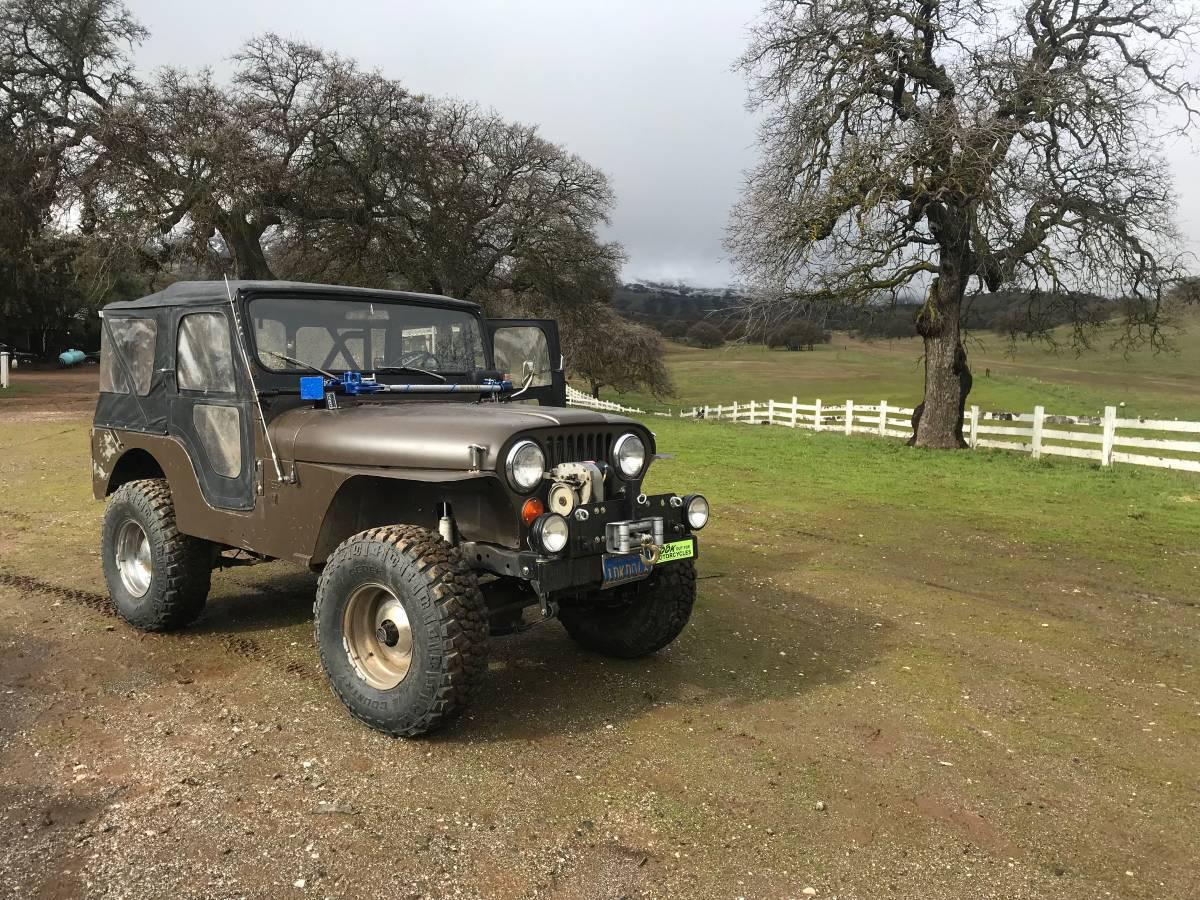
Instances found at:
x=158 y=578
x=417 y=592
x=635 y=619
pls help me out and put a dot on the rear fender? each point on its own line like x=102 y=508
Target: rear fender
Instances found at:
x=115 y=463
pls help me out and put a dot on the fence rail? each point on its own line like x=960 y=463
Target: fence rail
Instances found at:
x=1106 y=439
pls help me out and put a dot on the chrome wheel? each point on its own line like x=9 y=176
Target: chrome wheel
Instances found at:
x=377 y=636
x=133 y=558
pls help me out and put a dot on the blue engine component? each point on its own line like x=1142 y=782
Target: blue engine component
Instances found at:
x=314 y=387
x=353 y=383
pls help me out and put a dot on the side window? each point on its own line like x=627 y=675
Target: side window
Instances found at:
x=112 y=379
x=220 y=431
x=204 y=357
x=133 y=340
x=516 y=346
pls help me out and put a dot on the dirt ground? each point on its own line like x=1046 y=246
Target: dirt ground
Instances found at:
x=961 y=719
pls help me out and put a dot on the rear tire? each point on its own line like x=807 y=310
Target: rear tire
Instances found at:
x=636 y=619
x=402 y=629
x=158 y=578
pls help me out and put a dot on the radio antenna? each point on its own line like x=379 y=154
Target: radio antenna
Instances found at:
x=241 y=341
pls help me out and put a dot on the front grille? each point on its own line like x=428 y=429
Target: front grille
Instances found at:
x=577 y=446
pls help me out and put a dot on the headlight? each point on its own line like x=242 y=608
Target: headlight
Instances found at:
x=526 y=464
x=695 y=508
x=550 y=533
x=629 y=454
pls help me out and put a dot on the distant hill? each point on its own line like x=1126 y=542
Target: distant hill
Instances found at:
x=649 y=300
x=673 y=308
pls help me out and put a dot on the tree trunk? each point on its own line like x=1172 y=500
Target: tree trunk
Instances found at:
x=244 y=241
x=596 y=390
x=947 y=378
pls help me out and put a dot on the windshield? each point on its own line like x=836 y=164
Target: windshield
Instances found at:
x=364 y=336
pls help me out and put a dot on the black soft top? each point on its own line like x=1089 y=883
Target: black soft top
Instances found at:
x=196 y=293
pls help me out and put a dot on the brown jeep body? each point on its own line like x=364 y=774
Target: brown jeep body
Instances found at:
x=375 y=459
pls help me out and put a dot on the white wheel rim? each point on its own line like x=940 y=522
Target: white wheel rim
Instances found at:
x=377 y=636
x=134 y=561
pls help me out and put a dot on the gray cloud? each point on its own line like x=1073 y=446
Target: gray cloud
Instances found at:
x=643 y=90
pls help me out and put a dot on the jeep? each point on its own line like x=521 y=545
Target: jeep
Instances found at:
x=417 y=455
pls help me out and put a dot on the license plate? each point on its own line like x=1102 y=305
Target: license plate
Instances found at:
x=620 y=568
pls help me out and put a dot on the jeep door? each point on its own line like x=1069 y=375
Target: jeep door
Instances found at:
x=529 y=347
x=209 y=410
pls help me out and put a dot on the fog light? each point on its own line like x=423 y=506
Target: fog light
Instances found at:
x=696 y=509
x=550 y=533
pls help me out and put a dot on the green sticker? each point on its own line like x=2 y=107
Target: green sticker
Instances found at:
x=677 y=550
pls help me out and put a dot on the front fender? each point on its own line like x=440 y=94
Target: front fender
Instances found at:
x=482 y=507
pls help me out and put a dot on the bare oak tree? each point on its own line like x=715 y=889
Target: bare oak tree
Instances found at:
x=950 y=143
x=606 y=350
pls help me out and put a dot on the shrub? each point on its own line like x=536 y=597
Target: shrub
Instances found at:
x=705 y=334
x=799 y=335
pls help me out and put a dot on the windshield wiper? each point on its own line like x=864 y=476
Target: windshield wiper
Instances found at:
x=301 y=363
x=399 y=368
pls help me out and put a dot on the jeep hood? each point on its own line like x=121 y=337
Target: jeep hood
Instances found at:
x=424 y=435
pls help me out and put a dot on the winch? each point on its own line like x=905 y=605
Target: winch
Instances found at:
x=574 y=483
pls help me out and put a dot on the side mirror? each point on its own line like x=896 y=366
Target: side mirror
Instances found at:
x=527 y=369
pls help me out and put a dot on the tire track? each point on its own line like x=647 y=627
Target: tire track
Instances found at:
x=234 y=645
x=98 y=602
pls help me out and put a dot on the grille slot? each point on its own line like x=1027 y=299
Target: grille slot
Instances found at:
x=577 y=446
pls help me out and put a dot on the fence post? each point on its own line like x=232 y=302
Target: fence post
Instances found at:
x=849 y=417
x=795 y=409
x=753 y=406
x=1110 y=433
x=882 y=416
x=734 y=419
x=4 y=369
x=973 y=440
x=1039 y=416
x=770 y=412
x=817 y=415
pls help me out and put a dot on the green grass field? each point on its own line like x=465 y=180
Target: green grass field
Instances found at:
x=1142 y=524
x=1154 y=385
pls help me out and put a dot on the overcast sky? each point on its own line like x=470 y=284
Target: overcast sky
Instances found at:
x=644 y=90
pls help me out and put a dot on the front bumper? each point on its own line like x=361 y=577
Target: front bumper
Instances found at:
x=581 y=565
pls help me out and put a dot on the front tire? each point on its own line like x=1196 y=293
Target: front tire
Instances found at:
x=638 y=619
x=157 y=577
x=402 y=629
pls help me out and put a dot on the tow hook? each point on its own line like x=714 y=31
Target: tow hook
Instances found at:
x=650 y=551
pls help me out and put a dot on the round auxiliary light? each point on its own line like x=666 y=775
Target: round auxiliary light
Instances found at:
x=525 y=465
x=695 y=508
x=550 y=533
x=629 y=455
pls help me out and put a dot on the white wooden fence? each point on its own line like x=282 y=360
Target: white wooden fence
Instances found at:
x=579 y=398
x=1105 y=439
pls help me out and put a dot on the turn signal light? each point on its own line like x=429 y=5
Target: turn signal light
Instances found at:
x=531 y=510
